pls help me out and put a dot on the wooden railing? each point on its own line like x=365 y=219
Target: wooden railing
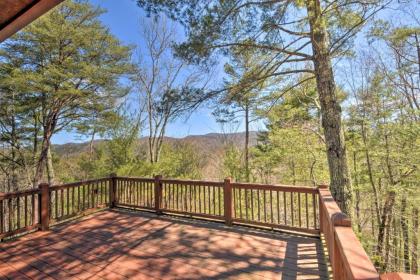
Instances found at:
x=276 y=206
x=347 y=257
x=309 y=210
x=19 y=212
x=70 y=200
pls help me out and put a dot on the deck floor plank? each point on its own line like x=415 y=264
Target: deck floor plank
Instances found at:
x=136 y=245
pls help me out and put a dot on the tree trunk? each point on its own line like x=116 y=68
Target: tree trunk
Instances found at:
x=35 y=149
x=387 y=209
x=395 y=245
x=414 y=263
x=150 y=119
x=247 y=142
x=357 y=192
x=48 y=128
x=387 y=242
x=50 y=167
x=92 y=140
x=404 y=227
x=330 y=109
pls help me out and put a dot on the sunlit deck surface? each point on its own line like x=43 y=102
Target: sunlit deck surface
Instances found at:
x=117 y=244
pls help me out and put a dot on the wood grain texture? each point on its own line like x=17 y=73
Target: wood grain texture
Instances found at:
x=134 y=245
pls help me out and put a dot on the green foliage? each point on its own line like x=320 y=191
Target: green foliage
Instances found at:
x=66 y=68
x=180 y=160
x=232 y=164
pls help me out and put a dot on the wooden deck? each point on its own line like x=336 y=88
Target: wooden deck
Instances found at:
x=120 y=244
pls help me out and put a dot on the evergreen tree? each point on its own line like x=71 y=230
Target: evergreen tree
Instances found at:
x=70 y=66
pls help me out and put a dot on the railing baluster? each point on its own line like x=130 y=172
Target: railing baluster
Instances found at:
x=220 y=200
x=138 y=194
x=265 y=206
x=307 y=210
x=173 y=196
x=314 y=207
x=18 y=212
x=204 y=199
x=142 y=203
x=252 y=204
x=62 y=202
x=258 y=206
x=68 y=201
x=209 y=199
x=214 y=200
x=292 y=212
x=271 y=205
x=299 y=213
x=25 y=210
x=168 y=196
x=200 y=199
x=240 y=203
x=33 y=209
x=177 y=196
x=72 y=200
x=190 y=188
x=84 y=197
x=278 y=207
x=56 y=204
x=187 y=197
x=285 y=208
x=246 y=204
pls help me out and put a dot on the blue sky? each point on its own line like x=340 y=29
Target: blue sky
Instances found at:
x=123 y=19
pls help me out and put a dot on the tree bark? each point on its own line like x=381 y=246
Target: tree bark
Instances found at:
x=414 y=256
x=91 y=143
x=48 y=127
x=387 y=209
x=370 y=173
x=340 y=184
x=247 y=142
x=50 y=167
x=35 y=149
x=404 y=227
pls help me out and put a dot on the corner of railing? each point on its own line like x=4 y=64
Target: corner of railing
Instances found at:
x=158 y=194
x=340 y=219
x=44 y=206
x=347 y=257
x=320 y=188
x=112 y=189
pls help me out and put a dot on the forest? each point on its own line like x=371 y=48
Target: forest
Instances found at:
x=334 y=83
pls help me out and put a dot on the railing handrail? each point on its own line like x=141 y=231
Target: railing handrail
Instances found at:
x=286 y=188
x=347 y=256
x=18 y=193
x=78 y=183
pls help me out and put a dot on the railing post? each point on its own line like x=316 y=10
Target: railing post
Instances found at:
x=227 y=191
x=44 y=206
x=158 y=194
x=320 y=211
x=112 y=189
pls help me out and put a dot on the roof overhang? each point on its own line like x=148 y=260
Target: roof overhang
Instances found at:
x=16 y=14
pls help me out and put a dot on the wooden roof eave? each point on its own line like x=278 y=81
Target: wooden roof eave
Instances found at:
x=26 y=13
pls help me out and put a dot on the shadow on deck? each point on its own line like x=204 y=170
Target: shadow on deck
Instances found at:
x=120 y=244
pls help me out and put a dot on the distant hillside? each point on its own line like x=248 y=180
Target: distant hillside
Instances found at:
x=210 y=143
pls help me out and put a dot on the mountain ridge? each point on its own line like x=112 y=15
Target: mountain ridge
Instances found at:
x=211 y=141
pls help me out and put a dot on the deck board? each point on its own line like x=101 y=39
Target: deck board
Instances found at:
x=136 y=245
